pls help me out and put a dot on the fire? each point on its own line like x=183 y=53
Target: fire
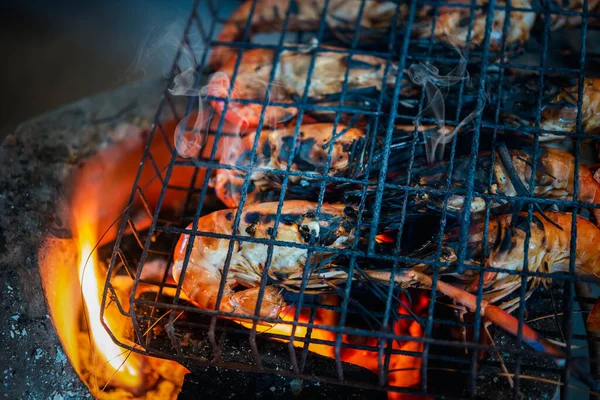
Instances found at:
x=90 y=288
x=404 y=369
x=384 y=238
x=92 y=189
x=101 y=188
x=74 y=285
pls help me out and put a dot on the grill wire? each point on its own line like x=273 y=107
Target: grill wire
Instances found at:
x=166 y=326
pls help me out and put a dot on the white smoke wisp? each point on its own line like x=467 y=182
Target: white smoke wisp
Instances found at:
x=183 y=84
x=193 y=130
x=189 y=139
x=239 y=116
x=236 y=118
x=157 y=49
x=428 y=76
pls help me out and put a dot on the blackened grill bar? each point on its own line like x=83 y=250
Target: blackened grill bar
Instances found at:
x=364 y=321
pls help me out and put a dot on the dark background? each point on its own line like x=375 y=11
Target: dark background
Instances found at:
x=56 y=52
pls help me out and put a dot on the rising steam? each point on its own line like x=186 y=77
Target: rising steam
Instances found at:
x=428 y=76
x=157 y=49
x=190 y=138
x=193 y=130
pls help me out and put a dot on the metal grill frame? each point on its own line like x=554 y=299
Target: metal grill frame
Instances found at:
x=196 y=25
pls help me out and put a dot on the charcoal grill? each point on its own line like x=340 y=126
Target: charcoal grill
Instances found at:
x=168 y=327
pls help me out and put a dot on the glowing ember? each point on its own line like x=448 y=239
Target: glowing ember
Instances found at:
x=383 y=238
x=404 y=369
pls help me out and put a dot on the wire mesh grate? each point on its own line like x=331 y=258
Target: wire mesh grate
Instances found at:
x=464 y=89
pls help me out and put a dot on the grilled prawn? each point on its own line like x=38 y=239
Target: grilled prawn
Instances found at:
x=555 y=171
x=269 y=16
x=452 y=24
x=377 y=17
x=349 y=157
x=559 y=20
x=561 y=114
x=291 y=74
x=273 y=150
x=548 y=251
x=333 y=227
x=205 y=269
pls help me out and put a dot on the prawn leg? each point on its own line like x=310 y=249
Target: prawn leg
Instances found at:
x=494 y=314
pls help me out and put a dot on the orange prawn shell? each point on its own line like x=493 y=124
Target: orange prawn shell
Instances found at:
x=250 y=82
x=555 y=176
x=290 y=78
x=560 y=178
x=450 y=25
x=549 y=245
x=272 y=152
x=587 y=260
x=269 y=16
x=207 y=258
x=221 y=222
x=564 y=119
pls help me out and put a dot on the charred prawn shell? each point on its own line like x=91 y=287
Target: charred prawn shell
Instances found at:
x=333 y=72
x=373 y=20
x=300 y=223
x=505 y=173
x=559 y=108
x=316 y=153
x=549 y=241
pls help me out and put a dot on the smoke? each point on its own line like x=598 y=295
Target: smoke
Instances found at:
x=193 y=129
x=428 y=76
x=157 y=50
x=183 y=84
x=239 y=116
x=192 y=141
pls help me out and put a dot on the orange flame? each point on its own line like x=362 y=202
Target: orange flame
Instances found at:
x=91 y=283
